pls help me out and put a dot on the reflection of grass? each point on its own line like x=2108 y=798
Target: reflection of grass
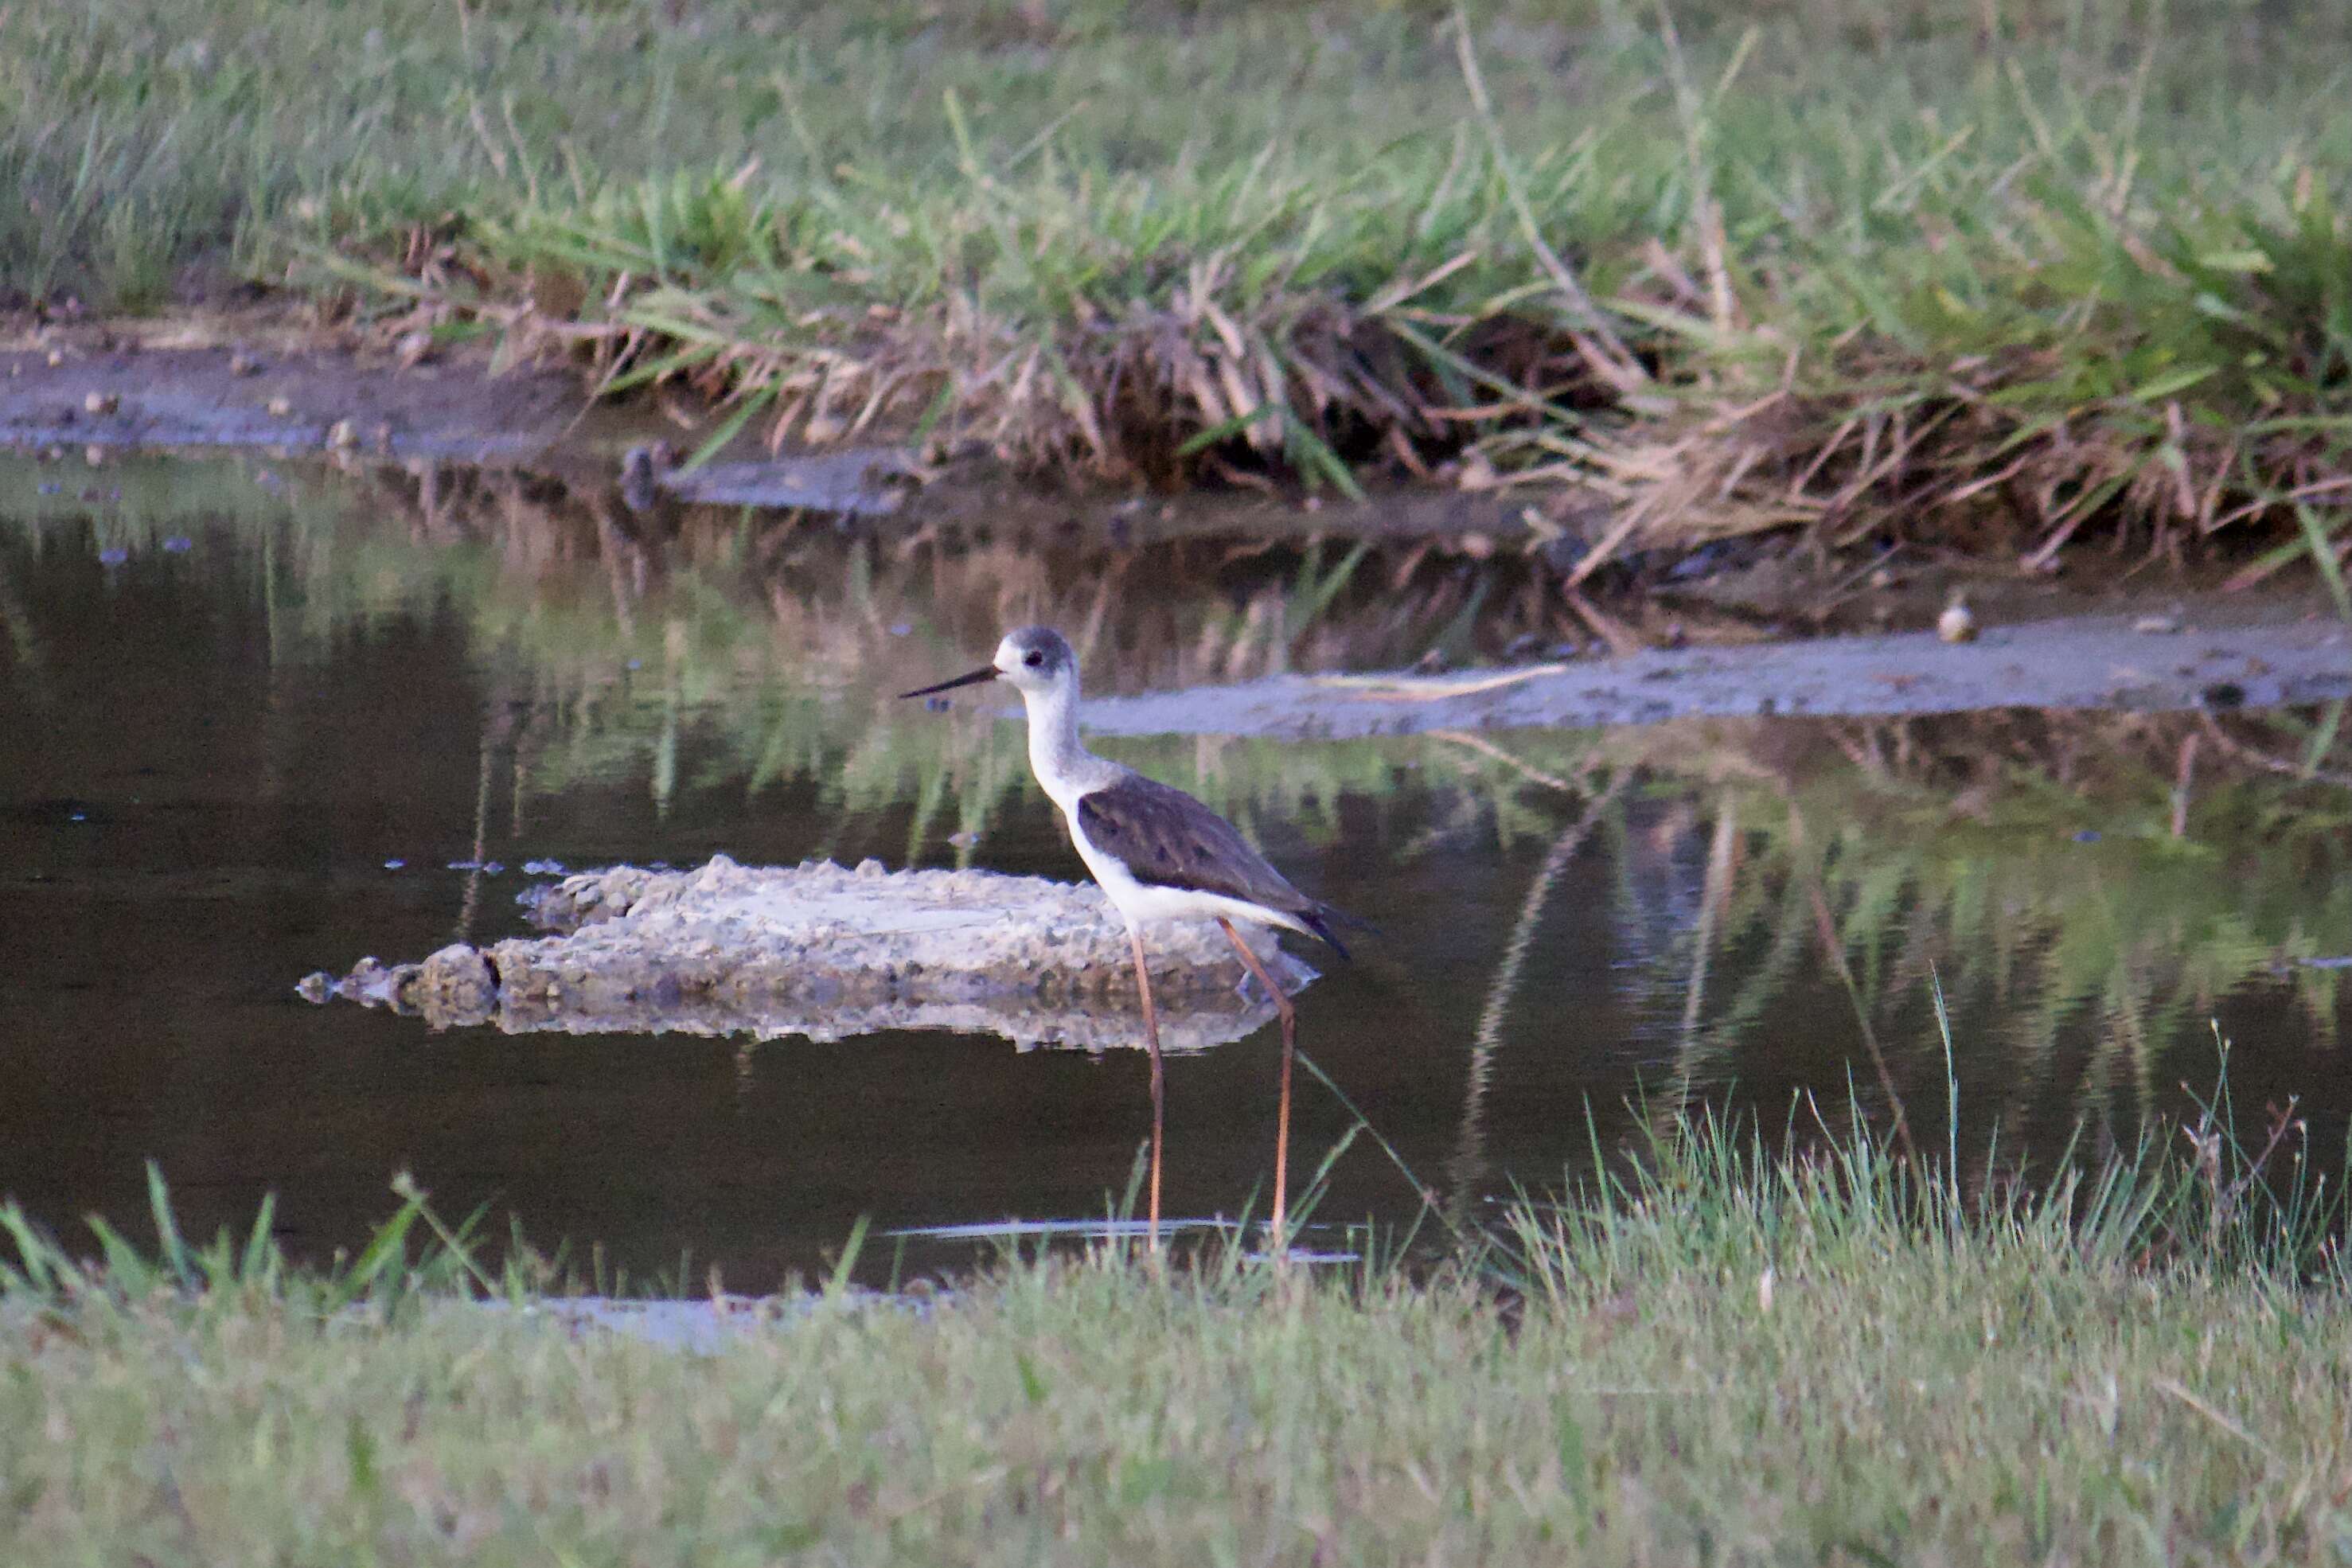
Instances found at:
x=783 y=674
x=1664 y=1373
x=1950 y=843
x=2042 y=933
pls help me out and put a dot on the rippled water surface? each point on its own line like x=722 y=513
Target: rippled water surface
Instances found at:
x=250 y=721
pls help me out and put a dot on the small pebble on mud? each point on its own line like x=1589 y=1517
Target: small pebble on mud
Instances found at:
x=279 y=407
x=2156 y=625
x=57 y=358
x=1957 y=623
x=101 y=403
x=243 y=364
x=342 y=435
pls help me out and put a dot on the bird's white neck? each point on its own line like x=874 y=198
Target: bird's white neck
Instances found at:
x=1064 y=767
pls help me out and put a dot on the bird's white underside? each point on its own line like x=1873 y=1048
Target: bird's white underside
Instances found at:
x=1142 y=904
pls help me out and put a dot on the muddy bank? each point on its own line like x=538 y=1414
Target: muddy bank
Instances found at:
x=825 y=953
x=2201 y=658
x=436 y=412
x=121 y=395
x=122 y=392
x=260 y=382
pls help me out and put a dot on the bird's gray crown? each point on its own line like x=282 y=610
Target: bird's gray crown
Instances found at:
x=1039 y=652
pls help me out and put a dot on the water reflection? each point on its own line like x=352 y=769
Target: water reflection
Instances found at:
x=232 y=695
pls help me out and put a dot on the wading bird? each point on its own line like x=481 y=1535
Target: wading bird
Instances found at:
x=1158 y=855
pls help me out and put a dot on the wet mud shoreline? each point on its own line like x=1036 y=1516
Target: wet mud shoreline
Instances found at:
x=208 y=387
x=2115 y=663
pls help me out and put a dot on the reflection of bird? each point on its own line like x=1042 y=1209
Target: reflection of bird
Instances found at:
x=1159 y=855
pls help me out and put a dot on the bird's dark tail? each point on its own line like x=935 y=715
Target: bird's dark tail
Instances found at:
x=1320 y=921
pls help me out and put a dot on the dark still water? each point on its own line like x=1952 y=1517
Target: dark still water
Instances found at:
x=248 y=720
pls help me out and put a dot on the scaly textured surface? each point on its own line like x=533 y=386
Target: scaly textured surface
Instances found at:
x=824 y=952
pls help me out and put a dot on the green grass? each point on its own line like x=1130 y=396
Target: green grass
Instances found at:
x=1998 y=273
x=1740 y=1352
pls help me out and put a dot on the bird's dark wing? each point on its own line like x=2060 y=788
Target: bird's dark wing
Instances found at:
x=1171 y=840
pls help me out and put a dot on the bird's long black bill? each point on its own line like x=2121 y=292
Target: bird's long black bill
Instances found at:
x=986 y=672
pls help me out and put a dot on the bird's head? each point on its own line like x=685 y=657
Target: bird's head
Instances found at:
x=1033 y=660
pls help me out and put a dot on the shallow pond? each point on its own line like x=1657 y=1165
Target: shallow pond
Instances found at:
x=258 y=719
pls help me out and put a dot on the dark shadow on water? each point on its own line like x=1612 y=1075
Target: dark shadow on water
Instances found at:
x=257 y=723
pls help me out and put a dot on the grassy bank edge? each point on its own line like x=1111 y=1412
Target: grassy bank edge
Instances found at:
x=1973 y=290
x=2069 y=358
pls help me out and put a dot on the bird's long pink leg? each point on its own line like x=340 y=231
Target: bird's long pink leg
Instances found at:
x=1289 y=1016
x=1159 y=1082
